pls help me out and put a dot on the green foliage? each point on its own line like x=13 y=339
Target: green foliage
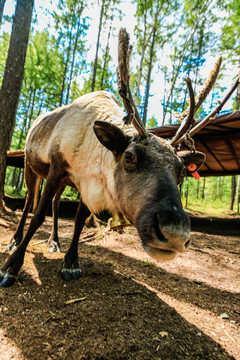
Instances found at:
x=152 y=122
x=70 y=193
x=210 y=195
x=41 y=87
x=4 y=44
x=230 y=39
x=104 y=79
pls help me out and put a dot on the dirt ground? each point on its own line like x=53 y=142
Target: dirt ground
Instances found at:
x=126 y=305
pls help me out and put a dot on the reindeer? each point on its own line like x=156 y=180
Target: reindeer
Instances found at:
x=114 y=166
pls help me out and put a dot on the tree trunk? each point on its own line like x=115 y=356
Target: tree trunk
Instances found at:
x=238 y=180
x=145 y=42
x=198 y=189
x=105 y=59
x=237 y=193
x=20 y=181
x=187 y=75
x=73 y=58
x=14 y=177
x=177 y=70
x=65 y=70
x=221 y=188
x=2 y=4
x=97 y=46
x=143 y=49
x=203 y=188
x=12 y=80
x=149 y=78
x=238 y=98
x=233 y=192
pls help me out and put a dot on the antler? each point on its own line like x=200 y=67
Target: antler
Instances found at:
x=194 y=106
x=124 y=53
x=212 y=114
x=207 y=87
x=189 y=120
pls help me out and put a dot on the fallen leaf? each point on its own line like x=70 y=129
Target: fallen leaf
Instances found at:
x=163 y=333
x=72 y=301
x=224 y=316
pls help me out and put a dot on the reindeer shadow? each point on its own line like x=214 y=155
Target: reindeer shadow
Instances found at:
x=115 y=317
x=178 y=287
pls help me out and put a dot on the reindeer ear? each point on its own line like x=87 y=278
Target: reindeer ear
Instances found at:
x=111 y=137
x=189 y=158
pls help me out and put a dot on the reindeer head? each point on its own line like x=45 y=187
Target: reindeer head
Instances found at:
x=146 y=176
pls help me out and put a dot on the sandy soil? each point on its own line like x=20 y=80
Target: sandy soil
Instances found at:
x=126 y=305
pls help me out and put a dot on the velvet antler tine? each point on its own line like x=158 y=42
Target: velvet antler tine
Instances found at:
x=207 y=87
x=216 y=110
x=124 y=53
x=187 y=123
x=209 y=83
x=213 y=113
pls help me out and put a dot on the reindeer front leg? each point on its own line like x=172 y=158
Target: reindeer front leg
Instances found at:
x=70 y=267
x=10 y=270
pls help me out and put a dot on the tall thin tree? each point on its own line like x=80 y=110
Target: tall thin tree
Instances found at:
x=98 y=44
x=12 y=80
x=2 y=4
x=148 y=78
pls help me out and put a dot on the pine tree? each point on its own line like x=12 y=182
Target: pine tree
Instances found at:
x=12 y=80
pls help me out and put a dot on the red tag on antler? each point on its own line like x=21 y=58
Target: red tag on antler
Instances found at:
x=192 y=169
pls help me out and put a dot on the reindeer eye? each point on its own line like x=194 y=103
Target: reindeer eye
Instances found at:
x=129 y=157
x=130 y=161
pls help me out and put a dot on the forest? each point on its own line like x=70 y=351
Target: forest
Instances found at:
x=71 y=50
x=113 y=293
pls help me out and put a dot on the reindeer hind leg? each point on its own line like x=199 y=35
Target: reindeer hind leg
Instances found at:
x=32 y=181
x=10 y=270
x=53 y=241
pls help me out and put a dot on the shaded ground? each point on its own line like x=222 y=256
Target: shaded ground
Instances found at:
x=129 y=306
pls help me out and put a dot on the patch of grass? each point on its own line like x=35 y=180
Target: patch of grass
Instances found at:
x=11 y=191
x=148 y=264
x=110 y=263
x=214 y=208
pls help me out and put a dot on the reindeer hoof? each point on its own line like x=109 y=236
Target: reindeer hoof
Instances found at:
x=54 y=245
x=71 y=274
x=12 y=246
x=6 y=279
x=54 y=248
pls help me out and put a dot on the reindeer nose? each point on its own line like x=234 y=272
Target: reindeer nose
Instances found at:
x=187 y=243
x=172 y=228
x=174 y=217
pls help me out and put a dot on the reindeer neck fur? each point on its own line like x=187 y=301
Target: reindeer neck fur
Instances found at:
x=66 y=137
x=92 y=165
